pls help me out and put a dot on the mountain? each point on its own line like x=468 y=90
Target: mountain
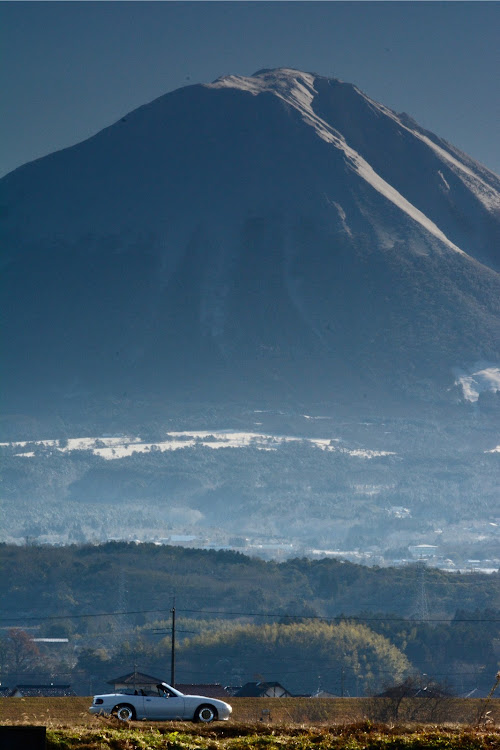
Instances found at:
x=279 y=236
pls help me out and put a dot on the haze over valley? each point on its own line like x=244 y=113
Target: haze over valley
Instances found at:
x=370 y=490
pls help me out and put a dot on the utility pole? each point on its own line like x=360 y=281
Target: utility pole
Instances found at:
x=172 y=659
x=342 y=674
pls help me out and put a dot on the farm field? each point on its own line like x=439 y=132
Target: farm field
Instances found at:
x=298 y=724
x=73 y=712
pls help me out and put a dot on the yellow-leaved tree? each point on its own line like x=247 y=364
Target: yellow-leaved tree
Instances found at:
x=346 y=658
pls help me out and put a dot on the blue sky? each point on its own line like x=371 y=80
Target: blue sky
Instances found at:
x=69 y=69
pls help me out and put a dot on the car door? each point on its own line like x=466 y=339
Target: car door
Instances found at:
x=164 y=706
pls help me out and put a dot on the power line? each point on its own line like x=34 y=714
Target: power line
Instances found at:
x=31 y=618
x=274 y=615
x=138 y=630
x=342 y=617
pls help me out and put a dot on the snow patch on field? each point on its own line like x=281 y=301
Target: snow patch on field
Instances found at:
x=111 y=448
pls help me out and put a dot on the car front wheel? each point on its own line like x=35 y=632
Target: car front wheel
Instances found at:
x=124 y=712
x=205 y=714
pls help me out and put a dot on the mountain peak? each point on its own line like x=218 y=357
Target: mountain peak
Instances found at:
x=272 y=71
x=279 y=228
x=281 y=81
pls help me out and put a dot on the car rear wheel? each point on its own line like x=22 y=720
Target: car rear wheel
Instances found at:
x=124 y=712
x=205 y=714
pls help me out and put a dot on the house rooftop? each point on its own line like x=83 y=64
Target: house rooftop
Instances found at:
x=259 y=689
x=42 y=691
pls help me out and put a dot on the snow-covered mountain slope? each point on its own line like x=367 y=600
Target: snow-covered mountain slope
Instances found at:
x=344 y=117
x=267 y=235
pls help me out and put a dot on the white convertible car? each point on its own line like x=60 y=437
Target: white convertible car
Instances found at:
x=160 y=705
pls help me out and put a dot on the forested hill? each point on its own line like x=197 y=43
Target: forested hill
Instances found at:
x=54 y=582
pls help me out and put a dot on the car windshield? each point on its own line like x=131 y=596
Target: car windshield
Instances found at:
x=165 y=691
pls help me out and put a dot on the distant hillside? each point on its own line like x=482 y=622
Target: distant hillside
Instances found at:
x=77 y=580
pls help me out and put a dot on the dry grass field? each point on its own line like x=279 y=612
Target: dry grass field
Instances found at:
x=73 y=712
x=272 y=724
